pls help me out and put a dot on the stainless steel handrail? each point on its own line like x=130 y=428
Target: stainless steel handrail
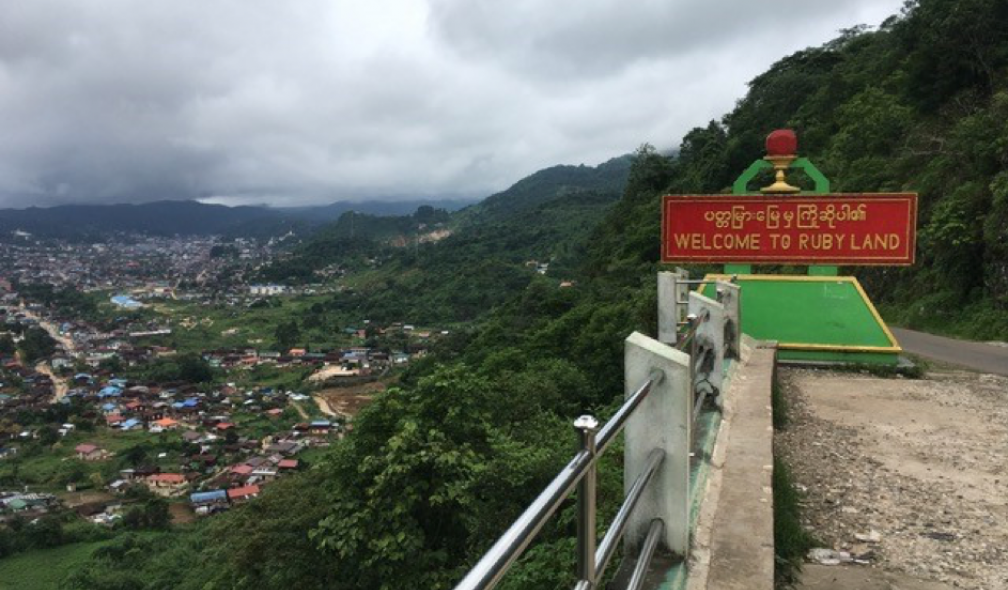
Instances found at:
x=698 y=404
x=607 y=548
x=489 y=570
x=509 y=547
x=693 y=321
x=650 y=543
x=615 y=425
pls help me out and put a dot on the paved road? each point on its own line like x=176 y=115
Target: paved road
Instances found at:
x=975 y=355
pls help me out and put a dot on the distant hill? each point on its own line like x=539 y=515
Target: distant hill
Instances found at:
x=544 y=216
x=95 y=222
x=382 y=208
x=158 y=218
x=550 y=183
x=194 y=218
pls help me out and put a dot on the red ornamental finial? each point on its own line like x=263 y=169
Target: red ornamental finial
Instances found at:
x=782 y=142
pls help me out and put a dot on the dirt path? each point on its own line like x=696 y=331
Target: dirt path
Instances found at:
x=60 y=386
x=326 y=373
x=300 y=410
x=181 y=513
x=52 y=329
x=919 y=468
x=347 y=401
x=979 y=356
x=323 y=406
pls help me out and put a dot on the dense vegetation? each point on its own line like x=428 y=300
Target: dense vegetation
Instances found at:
x=66 y=301
x=188 y=367
x=919 y=105
x=481 y=266
x=351 y=241
x=548 y=184
x=36 y=344
x=492 y=252
x=438 y=466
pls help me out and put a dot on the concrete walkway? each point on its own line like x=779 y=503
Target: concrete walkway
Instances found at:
x=741 y=545
x=974 y=355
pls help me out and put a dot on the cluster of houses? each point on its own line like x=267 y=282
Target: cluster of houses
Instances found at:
x=221 y=474
x=135 y=262
x=94 y=347
x=25 y=505
x=219 y=456
x=225 y=462
x=358 y=360
x=23 y=388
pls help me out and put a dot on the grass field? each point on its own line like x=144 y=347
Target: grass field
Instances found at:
x=48 y=468
x=198 y=327
x=281 y=379
x=44 y=569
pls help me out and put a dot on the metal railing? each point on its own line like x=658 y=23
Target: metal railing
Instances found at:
x=699 y=338
x=580 y=472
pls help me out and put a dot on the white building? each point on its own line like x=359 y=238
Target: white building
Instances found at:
x=267 y=290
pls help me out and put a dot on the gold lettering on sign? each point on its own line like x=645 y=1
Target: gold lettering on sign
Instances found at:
x=772 y=217
x=807 y=217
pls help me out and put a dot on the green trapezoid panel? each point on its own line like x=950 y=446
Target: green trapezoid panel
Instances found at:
x=822 y=314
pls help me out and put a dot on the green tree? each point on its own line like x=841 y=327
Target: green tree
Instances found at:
x=45 y=532
x=7 y=345
x=151 y=514
x=287 y=335
x=194 y=369
x=113 y=365
x=36 y=344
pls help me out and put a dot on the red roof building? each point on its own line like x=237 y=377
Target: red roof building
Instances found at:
x=243 y=494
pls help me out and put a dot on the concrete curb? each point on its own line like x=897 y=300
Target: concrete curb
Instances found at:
x=733 y=540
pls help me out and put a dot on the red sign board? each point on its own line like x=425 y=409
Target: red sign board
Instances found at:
x=861 y=229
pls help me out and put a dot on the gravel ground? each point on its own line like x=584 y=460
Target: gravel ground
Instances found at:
x=908 y=476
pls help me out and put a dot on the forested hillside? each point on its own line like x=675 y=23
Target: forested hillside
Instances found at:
x=548 y=184
x=486 y=253
x=920 y=105
x=437 y=467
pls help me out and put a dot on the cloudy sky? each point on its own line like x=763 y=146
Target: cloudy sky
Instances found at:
x=312 y=101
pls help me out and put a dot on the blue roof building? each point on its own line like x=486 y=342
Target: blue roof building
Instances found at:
x=208 y=497
x=110 y=391
x=126 y=302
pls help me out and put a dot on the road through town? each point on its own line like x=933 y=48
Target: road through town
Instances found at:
x=60 y=385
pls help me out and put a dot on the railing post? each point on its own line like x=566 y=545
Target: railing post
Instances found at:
x=710 y=338
x=694 y=327
x=662 y=421
x=587 y=427
x=730 y=296
x=671 y=291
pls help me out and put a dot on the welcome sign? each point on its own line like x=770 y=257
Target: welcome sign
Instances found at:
x=861 y=229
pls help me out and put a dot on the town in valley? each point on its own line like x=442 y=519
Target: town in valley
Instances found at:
x=147 y=367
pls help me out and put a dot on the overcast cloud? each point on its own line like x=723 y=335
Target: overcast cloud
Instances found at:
x=312 y=101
